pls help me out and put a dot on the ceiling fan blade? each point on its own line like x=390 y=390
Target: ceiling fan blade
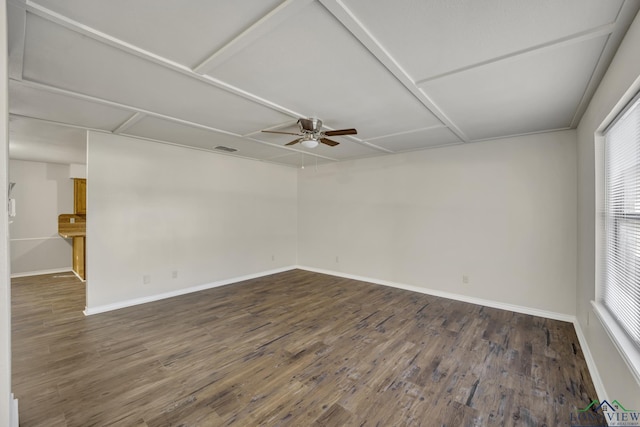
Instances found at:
x=283 y=133
x=341 y=132
x=329 y=142
x=295 y=141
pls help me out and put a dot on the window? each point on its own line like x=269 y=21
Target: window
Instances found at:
x=620 y=287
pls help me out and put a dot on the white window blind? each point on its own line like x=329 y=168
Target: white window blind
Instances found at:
x=620 y=292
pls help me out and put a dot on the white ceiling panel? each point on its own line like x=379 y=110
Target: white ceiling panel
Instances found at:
x=517 y=96
x=182 y=31
x=431 y=37
x=163 y=130
x=62 y=58
x=407 y=74
x=312 y=64
x=40 y=141
x=42 y=104
x=424 y=138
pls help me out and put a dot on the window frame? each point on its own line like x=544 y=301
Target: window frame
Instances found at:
x=626 y=346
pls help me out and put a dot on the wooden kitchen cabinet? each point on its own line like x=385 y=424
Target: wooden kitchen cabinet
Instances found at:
x=78 y=256
x=79 y=196
x=73 y=226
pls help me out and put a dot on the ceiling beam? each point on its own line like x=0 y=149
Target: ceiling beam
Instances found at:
x=69 y=93
x=628 y=10
x=370 y=145
x=17 y=13
x=264 y=25
x=342 y=13
x=207 y=150
x=138 y=115
x=109 y=40
x=53 y=122
x=600 y=31
x=261 y=27
x=135 y=118
x=517 y=135
x=406 y=132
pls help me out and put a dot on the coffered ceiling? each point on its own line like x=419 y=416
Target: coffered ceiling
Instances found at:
x=408 y=74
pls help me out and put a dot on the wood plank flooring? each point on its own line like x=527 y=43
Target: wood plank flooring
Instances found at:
x=292 y=349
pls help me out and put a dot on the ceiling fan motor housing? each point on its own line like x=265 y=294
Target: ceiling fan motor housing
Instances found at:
x=311 y=125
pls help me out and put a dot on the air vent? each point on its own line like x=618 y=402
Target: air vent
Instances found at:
x=227 y=149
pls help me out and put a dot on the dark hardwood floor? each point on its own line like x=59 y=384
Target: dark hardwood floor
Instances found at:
x=296 y=348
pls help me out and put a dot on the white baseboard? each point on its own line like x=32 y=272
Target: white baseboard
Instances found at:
x=14 y=416
x=40 y=272
x=464 y=298
x=78 y=276
x=151 y=298
x=591 y=363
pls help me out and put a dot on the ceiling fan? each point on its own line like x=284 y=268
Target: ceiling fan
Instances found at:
x=311 y=133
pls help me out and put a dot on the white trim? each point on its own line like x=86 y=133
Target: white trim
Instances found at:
x=290 y=151
x=625 y=346
x=458 y=297
x=89 y=311
x=408 y=132
x=591 y=363
x=135 y=118
x=122 y=45
x=571 y=39
x=68 y=125
x=342 y=13
x=78 y=276
x=77 y=95
x=24 y=239
x=623 y=21
x=267 y=23
x=16 y=60
x=516 y=135
x=14 y=416
x=40 y=272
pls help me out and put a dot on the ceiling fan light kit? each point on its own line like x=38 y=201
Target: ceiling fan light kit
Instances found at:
x=310 y=143
x=311 y=133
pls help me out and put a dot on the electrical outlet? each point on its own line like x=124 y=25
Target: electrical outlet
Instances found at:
x=146 y=279
x=465 y=279
x=174 y=274
x=273 y=257
x=337 y=259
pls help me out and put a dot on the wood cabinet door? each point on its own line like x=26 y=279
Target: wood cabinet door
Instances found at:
x=78 y=256
x=80 y=196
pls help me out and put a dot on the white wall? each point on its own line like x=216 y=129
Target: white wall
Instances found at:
x=78 y=170
x=502 y=212
x=623 y=74
x=42 y=192
x=153 y=209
